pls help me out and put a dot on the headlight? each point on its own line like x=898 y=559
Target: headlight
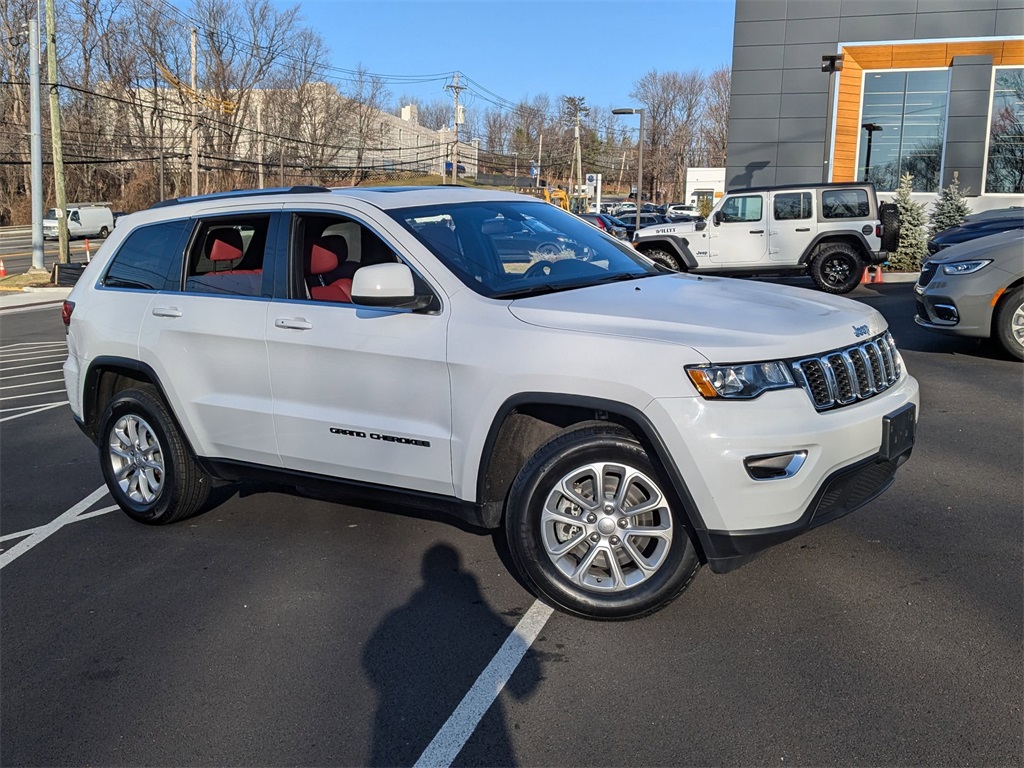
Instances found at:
x=740 y=382
x=965 y=267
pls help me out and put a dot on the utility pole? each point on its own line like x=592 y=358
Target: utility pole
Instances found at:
x=280 y=168
x=259 y=137
x=578 y=159
x=622 y=170
x=64 y=254
x=38 y=265
x=540 y=151
x=195 y=120
x=456 y=89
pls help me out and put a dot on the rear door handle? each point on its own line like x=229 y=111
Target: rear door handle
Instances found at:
x=166 y=312
x=293 y=323
x=803 y=229
x=757 y=231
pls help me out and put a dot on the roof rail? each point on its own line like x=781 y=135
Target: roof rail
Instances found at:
x=301 y=189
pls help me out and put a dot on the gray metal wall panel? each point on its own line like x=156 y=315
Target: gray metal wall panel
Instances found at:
x=1009 y=22
x=754 y=130
x=814 y=9
x=804 y=104
x=760 y=83
x=759 y=10
x=804 y=81
x=753 y=105
x=971 y=73
x=758 y=57
x=801 y=129
x=877 y=7
x=812 y=31
x=806 y=56
x=963 y=156
x=859 y=29
x=955 y=24
x=969 y=103
x=929 y=6
x=750 y=164
x=787 y=174
x=1010 y=3
x=807 y=154
x=759 y=33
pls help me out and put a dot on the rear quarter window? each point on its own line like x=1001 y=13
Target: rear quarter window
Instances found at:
x=149 y=259
x=845 y=204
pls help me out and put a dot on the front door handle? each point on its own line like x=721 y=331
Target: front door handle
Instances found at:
x=166 y=312
x=293 y=323
x=757 y=231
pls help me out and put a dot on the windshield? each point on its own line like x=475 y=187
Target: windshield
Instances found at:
x=51 y=213
x=508 y=249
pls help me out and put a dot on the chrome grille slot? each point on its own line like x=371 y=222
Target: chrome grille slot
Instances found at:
x=845 y=376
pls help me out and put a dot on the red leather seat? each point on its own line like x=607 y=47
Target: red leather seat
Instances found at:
x=324 y=261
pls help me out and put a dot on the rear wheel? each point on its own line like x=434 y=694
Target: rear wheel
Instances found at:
x=148 y=467
x=837 y=268
x=664 y=258
x=104 y=232
x=592 y=529
x=1009 y=325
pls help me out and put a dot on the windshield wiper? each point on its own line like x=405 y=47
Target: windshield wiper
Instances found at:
x=622 y=276
x=532 y=290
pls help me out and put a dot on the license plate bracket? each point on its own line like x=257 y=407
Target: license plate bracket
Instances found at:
x=898 y=432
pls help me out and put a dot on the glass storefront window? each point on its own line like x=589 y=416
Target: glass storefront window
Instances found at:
x=908 y=110
x=1006 y=139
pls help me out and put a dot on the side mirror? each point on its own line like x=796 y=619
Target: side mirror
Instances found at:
x=717 y=218
x=386 y=285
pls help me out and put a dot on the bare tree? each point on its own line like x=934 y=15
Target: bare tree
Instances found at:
x=715 y=125
x=367 y=95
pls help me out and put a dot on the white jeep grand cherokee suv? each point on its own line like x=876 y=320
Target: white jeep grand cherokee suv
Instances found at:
x=429 y=347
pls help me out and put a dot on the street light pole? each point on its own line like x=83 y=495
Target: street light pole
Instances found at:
x=639 y=157
x=870 y=128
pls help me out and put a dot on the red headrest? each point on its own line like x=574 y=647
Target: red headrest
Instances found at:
x=225 y=245
x=322 y=260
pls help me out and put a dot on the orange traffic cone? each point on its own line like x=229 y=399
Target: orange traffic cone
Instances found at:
x=866 y=277
x=879 y=272
x=3 y=269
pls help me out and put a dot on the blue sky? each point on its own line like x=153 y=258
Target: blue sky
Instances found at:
x=515 y=49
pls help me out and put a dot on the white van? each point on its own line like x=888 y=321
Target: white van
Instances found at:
x=84 y=220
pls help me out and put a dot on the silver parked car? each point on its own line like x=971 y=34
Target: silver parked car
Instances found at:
x=975 y=289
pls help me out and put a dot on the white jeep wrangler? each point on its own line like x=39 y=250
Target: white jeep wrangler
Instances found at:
x=831 y=231
x=417 y=347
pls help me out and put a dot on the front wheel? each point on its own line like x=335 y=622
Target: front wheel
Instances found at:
x=1009 y=325
x=664 y=258
x=104 y=232
x=837 y=269
x=149 y=469
x=592 y=529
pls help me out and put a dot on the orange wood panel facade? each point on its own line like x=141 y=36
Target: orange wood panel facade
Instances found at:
x=903 y=56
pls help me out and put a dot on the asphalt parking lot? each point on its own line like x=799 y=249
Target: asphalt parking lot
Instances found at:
x=280 y=630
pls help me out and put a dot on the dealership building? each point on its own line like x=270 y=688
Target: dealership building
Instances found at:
x=844 y=90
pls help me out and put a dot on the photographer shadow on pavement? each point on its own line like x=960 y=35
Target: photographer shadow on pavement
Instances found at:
x=427 y=654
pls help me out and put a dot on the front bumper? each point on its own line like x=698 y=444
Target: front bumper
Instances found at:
x=960 y=305
x=736 y=516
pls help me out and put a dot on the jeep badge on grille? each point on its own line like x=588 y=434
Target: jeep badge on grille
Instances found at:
x=860 y=330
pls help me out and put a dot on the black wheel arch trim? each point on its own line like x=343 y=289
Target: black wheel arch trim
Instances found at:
x=650 y=438
x=867 y=254
x=678 y=245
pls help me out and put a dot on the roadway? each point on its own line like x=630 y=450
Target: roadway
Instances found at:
x=16 y=250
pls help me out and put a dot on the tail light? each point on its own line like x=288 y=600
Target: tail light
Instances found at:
x=878 y=230
x=65 y=312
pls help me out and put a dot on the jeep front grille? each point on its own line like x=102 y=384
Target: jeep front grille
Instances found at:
x=927 y=273
x=847 y=375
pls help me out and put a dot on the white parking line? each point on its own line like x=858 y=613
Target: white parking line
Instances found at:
x=23 y=367
x=80 y=518
x=454 y=734
x=46 y=407
x=33 y=394
x=32 y=384
x=23 y=375
x=45 y=531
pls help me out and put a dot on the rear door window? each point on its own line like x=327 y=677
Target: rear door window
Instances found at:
x=227 y=256
x=787 y=206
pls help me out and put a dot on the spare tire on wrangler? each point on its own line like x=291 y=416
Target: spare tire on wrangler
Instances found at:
x=889 y=214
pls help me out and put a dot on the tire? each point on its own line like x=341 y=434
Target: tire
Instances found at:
x=149 y=469
x=889 y=215
x=664 y=258
x=104 y=232
x=837 y=268
x=1009 y=322
x=551 y=534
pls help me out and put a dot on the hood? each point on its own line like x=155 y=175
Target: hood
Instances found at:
x=725 y=320
x=982 y=247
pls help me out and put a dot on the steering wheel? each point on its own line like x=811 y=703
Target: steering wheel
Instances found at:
x=542 y=267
